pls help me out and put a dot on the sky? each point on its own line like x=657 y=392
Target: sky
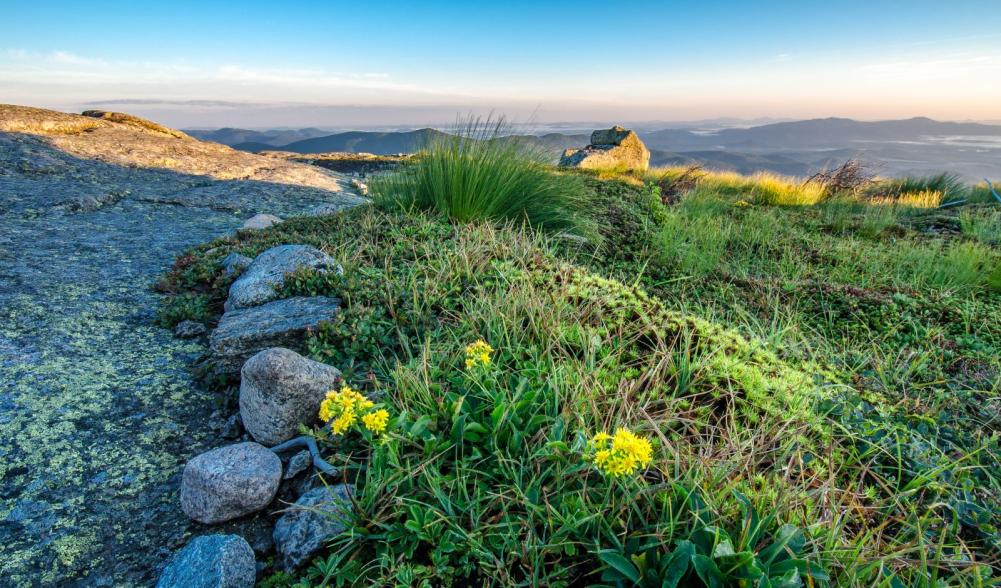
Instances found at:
x=363 y=64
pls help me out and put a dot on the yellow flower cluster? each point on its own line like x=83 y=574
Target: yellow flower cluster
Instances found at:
x=478 y=353
x=622 y=454
x=341 y=409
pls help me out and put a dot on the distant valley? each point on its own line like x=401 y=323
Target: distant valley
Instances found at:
x=916 y=146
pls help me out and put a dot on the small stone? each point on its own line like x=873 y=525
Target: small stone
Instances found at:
x=318 y=516
x=189 y=330
x=229 y=482
x=360 y=186
x=297 y=464
x=211 y=561
x=261 y=221
x=234 y=264
x=262 y=280
x=233 y=427
x=326 y=209
x=280 y=390
x=242 y=333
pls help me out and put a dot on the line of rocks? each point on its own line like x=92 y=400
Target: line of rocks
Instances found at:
x=280 y=390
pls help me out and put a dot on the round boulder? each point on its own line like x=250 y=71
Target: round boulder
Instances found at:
x=229 y=482
x=211 y=561
x=279 y=390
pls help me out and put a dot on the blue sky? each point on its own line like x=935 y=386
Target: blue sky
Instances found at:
x=276 y=63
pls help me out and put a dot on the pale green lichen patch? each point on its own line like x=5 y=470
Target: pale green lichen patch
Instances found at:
x=99 y=410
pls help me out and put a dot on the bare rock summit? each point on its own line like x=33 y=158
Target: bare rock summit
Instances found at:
x=610 y=149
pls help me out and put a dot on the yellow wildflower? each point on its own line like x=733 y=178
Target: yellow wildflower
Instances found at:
x=376 y=421
x=478 y=353
x=341 y=408
x=342 y=423
x=621 y=454
x=326 y=410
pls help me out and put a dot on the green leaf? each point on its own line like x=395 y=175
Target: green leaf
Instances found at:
x=620 y=564
x=739 y=566
x=707 y=571
x=790 y=579
x=474 y=432
x=790 y=538
x=723 y=549
x=677 y=565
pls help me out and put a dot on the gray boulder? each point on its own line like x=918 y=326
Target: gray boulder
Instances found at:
x=318 y=515
x=279 y=390
x=229 y=482
x=242 y=333
x=614 y=148
x=261 y=281
x=211 y=561
x=234 y=264
x=261 y=221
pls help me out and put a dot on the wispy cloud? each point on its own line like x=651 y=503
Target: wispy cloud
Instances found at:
x=936 y=67
x=61 y=68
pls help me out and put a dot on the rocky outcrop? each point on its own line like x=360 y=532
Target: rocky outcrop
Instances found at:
x=135 y=121
x=318 y=515
x=615 y=148
x=211 y=561
x=243 y=332
x=90 y=212
x=262 y=280
x=279 y=390
x=261 y=221
x=126 y=140
x=229 y=482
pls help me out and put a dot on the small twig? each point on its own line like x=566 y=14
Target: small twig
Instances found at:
x=310 y=444
x=953 y=203
x=990 y=186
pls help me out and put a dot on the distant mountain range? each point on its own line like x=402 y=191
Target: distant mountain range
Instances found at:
x=895 y=147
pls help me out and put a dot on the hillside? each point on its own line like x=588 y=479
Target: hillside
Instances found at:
x=274 y=138
x=378 y=143
x=651 y=379
x=894 y=148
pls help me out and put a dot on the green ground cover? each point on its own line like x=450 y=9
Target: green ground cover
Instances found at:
x=817 y=373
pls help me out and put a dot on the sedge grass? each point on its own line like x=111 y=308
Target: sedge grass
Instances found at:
x=479 y=172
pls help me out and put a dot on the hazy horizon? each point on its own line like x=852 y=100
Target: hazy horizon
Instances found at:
x=260 y=65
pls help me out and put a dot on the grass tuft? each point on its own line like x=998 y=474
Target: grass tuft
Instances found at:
x=479 y=172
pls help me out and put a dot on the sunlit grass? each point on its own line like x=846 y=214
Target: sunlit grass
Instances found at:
x=761 y=188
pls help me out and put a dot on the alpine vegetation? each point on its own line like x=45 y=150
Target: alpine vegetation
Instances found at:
x=480 y=172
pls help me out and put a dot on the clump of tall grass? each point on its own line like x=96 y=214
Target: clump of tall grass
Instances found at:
x=481 y=173
x=761 y=188
x=984 y=193
x=949 y=187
